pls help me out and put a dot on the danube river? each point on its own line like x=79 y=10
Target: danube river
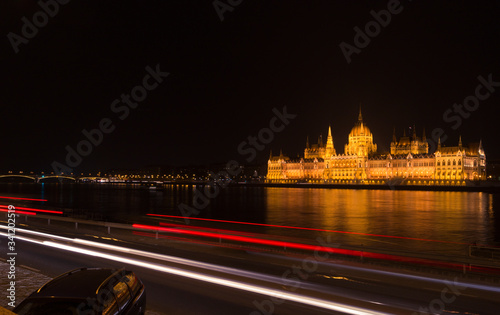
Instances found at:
x=455 y=219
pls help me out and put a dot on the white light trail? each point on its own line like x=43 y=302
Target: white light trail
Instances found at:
x=218 y=280
x=168 y=258
x=339 y=307
x=221 y=281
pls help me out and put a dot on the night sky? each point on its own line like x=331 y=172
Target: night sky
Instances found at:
x=225 y=77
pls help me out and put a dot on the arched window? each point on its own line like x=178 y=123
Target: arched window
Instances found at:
x=454 y=162
x=448 y=162
x=459 y=162
x=439 y=163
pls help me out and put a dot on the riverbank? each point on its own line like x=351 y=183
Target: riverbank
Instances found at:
x=489 y=187
x=470 y=186
x=466 y=186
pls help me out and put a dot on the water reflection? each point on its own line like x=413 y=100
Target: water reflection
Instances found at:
x=460 y=217
x=449 y=216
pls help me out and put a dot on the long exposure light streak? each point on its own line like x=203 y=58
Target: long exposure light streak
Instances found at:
x=219 y=268
x=309 y=247
x=33 y=209
x=193 y=227
x=222 y=281
x=302 y=228
x=19 y=230
x=18 y=198
x=137 y=252
x=18 y=212
x=279 y=294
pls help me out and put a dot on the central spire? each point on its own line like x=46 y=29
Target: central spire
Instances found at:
x=360 y=117
x=329 y=149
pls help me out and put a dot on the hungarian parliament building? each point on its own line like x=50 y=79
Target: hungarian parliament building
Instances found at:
x=409 y=162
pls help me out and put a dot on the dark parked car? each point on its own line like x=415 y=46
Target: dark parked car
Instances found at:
x=89 y=291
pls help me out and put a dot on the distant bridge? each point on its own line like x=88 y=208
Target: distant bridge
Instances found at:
x=40 y=178
x=37 y=178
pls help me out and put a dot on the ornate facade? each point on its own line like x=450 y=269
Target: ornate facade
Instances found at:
x=406 y=146
x=409 y=162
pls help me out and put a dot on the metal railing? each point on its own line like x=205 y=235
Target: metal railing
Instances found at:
x=484 y=252
x=477 y=255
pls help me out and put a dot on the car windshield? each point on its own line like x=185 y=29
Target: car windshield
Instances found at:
x=55 y=306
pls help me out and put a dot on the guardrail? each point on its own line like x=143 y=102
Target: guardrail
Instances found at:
x=106 y=225
x=477 y=256
x=484 y=252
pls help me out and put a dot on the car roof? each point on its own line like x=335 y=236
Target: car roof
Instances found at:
x=82 y=282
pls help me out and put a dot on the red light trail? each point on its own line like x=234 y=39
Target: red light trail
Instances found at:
x=209 y=229
x=19 y=212
x=32 y=209
x=17 y=198
x=315 y=248
x=305 y=228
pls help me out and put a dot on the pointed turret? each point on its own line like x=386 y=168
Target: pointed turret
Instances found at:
x=460 y=142
x=330 y=149
x=281 y=152
x=425 y=145
x=394 y=143
x=360 y=117
x=307 y=143
x=439 y=144
x=270 y=154
x=414 y=133
x=320 y=141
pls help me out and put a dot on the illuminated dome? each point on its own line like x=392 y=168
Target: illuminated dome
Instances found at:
x=360 y=129
x=360 y=139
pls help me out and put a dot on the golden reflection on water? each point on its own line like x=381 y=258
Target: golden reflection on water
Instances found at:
x=439 y=215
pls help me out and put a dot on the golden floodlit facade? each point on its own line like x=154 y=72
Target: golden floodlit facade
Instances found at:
x=408 y=163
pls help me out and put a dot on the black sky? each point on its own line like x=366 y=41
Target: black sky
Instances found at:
x=227 y=76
